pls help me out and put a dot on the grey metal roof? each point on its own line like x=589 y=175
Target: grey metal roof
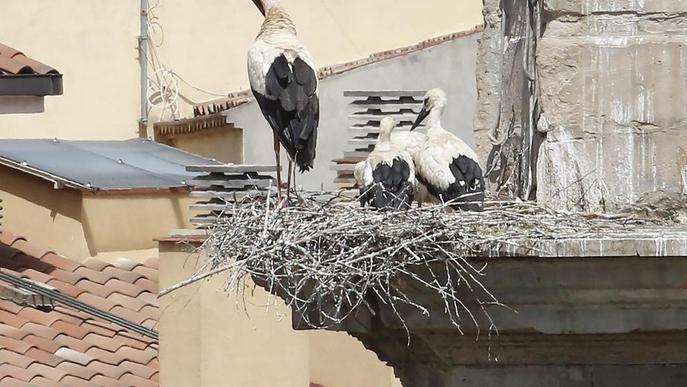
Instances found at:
x=104 y=165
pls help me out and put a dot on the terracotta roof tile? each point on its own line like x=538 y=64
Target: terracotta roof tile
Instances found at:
x=69 y=329
x=35 y=315
x=96 y=300
x=11 y=307
x=14 y=345
x=17 y=359
x=48 y=372
x=139 y=369
x=150 y=298
x=67 y=347
x=101 y=380
x=60 y=262
x=9 y=253
x=11 y=319
x=124 y=275
x=40 y=381
x=107 y=343
x=135 y=304
x=104 y=356
x=73 y=357
x=92 y=275
x=127 y=264
x=29 y=249
x=103 y=329
x=7 y=238
x=27 y=261
x=67 y=277
x=41 y=330
x=76 y=370
x=15 y=372
x=35 y=275
x=96 y=264
x=11 y=332
x=109 y=370
x=14 y=62
x=12 y=382
x=148 y=272
x=73 y=381
x=131 y=290
x=138 y=381
x=43 y=343
x=43 y=357
x=74 y=344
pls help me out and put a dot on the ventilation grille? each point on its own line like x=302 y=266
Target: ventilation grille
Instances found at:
x=366 y=111
x=225 y=184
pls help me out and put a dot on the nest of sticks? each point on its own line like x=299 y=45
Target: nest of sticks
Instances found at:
x=326 y=256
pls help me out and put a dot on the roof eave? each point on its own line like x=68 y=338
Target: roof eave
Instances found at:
x=58 y=181
x=31 y=85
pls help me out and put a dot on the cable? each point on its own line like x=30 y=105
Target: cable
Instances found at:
x=78 y=305
x=163 y=84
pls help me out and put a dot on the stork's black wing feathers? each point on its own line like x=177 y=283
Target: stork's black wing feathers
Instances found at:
x=391 y=189
x=468 y=189
x=292 y=108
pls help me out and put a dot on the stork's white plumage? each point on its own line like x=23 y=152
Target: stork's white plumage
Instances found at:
x=446 y=165
x=284 y=82
x=388 y=175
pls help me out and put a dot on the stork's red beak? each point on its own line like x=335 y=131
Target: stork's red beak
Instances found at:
x=261 y=7
x=420 y=117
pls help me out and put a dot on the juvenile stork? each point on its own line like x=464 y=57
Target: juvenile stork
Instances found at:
x=413 y=143
x=388 y=175
x=446 y=165
x=283 y=79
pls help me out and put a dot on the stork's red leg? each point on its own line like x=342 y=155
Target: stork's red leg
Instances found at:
x=288 y=181
x=277 y=147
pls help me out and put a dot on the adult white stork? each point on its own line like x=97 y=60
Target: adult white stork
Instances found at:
x=283 y=79
x=388 y=175
x=446 y=165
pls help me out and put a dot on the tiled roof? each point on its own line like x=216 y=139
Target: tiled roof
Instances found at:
x=15 y=62
x=65 y=347
x=241 y=97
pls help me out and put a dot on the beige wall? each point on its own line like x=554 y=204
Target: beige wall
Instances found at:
x=80 y=225
x=124 y=222
x=224 y=144
x=207 y=338
x=47 y=217
x=93 y=43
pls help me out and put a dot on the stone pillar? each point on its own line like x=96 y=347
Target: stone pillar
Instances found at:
x=613 y=82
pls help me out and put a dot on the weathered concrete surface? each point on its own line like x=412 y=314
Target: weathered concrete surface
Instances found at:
x=613 y=83
x=574 y=322
x=505 y=133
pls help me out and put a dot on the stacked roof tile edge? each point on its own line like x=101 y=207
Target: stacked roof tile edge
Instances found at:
x=66 y=347
x=13 y=61
x=239 y=98
x=24 y=76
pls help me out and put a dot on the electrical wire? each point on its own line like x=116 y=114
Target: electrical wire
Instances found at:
x=78 y=305
x=163 y=91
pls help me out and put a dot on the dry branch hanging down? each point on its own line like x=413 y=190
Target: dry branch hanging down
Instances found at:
x=326 y=257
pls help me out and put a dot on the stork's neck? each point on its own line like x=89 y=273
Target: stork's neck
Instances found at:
x=434 y=119
x=277 y=21
x=384 y=141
